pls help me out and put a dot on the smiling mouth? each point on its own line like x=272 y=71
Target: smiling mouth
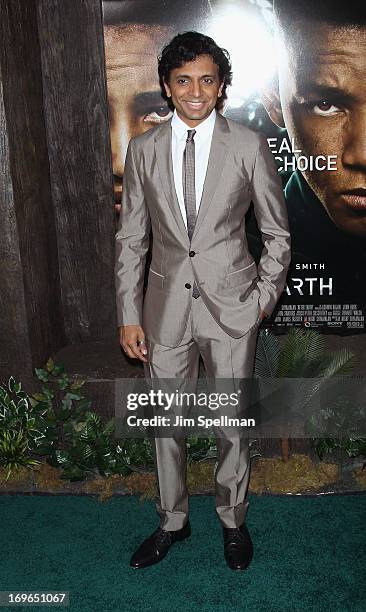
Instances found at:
x=194 y=104
x=355 y=199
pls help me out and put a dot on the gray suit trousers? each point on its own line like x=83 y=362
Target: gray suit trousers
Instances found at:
x=224 y=357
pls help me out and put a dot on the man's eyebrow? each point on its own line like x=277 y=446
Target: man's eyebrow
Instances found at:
x=323 y=91
x=148 y=99
x=188 y=76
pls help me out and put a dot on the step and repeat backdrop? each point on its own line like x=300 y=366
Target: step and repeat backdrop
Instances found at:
x=298 y=76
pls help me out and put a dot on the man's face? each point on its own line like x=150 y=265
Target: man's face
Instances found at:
x=134 y=98
x=322 y=90
x=194 y=89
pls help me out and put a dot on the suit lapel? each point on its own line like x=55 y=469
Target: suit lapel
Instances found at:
x=163 y=151
x=215 y=166
x=214 y=170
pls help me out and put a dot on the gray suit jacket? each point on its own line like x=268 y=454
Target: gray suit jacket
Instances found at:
x=241 y=169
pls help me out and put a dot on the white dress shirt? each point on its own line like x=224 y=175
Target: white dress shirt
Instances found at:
x=202 y=140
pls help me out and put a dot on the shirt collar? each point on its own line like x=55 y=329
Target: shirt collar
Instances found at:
x=203 y=129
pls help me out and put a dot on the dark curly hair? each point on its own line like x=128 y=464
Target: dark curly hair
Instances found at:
x=187 y=47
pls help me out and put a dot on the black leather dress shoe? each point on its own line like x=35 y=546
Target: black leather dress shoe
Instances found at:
x=238 y=547
x=155 y=548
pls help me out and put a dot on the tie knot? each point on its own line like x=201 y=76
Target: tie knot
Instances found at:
x=190 y=135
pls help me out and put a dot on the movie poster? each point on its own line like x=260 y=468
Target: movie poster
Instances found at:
x=301 y=89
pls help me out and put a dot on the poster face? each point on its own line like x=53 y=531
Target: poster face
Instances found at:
x=303 y=86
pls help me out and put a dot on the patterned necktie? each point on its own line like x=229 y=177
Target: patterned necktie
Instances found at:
x=189 y=190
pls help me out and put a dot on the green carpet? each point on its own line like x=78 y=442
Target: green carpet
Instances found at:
x=309 y=554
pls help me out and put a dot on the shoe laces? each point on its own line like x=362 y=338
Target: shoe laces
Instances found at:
x=162 y=537
x=235 y=536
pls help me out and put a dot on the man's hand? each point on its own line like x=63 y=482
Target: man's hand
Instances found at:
x=132 y=340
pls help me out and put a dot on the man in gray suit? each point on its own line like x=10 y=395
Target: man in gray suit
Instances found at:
x=191 y=181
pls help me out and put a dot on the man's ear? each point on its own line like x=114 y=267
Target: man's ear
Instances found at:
x=220 y=90
x=167 y=89
x=270 y=97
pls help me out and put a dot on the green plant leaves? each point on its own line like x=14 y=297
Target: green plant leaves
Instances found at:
x=41 y=374
x=77 y=384
x=338 y=363
x=14 y=451
x=267 y=355
x=201 y=449
x=50 y=365
x=58 y=423
x=11 y=384
x=58 y=369
x=303 y=349
x=353 y=447
x=303 y=356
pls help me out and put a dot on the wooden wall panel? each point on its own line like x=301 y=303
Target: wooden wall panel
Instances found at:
x=56 y=188
x=31 y=316
x=76 y=115
x=14 y=347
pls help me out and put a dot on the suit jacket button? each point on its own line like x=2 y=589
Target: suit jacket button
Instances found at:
x=188 y=286
x=192 y=253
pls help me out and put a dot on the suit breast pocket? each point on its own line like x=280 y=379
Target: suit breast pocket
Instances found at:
x=243 y=275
